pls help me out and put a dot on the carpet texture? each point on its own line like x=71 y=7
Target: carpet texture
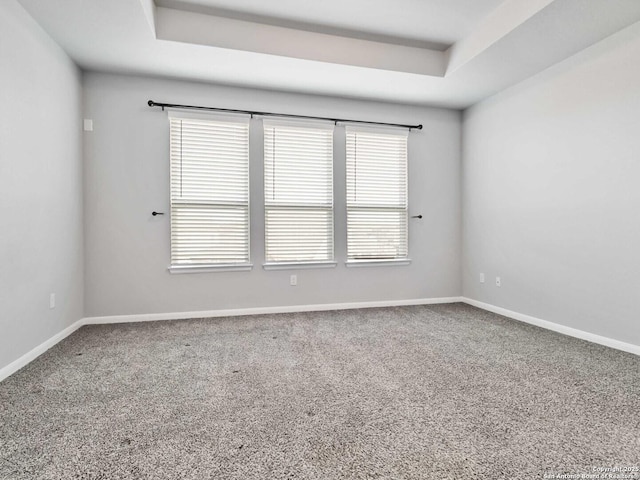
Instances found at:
x=425 y=392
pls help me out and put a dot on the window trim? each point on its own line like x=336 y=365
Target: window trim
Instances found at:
x=223 y=267
x=298 y=265
x=394 y=262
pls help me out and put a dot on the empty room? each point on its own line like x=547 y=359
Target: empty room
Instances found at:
x=365 y=239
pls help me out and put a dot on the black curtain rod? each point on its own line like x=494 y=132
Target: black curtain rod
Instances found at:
x=151 y=103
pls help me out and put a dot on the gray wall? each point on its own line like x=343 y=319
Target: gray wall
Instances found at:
x=551 y=182
x=127 y=175
x=40 y=186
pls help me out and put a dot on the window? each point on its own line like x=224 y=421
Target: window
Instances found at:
x=298 y=193
x=209 y=192
x=376 y=196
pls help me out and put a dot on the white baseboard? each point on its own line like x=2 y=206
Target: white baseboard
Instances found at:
x=556 y=327
x=152 y=317
x=31 y=355
x=573 y=332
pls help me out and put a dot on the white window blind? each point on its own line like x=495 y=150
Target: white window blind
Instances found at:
x=376 y=195
x=209 y=192
x=298 y=192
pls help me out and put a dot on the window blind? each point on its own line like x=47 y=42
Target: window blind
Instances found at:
x=298 y=192
x=376 y=195
x=209 y=191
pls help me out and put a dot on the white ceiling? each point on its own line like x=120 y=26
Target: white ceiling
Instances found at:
x=450 y=53
x=437 y=22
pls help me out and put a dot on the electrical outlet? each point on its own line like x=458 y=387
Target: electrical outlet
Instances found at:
x=293 y=280
x=88 y=125
x=498 y=282
x=52 y=300
x=482 y=278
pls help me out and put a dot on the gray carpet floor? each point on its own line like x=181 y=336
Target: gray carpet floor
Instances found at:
x=425 y=392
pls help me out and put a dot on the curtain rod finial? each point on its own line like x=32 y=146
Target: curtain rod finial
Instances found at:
x=151 y=103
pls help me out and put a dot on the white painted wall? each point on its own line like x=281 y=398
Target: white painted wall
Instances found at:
x=41 y=238
x=551 y=193
x=127 y=177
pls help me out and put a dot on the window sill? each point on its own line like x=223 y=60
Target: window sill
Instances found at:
x=227 y=267
x=378 y=263
x=297 y=265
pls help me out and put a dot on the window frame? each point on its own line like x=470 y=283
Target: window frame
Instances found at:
x=381 y=261
x=180 y=268
x=303 y=263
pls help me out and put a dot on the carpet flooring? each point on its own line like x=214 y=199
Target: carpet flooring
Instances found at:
x=424 y=392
